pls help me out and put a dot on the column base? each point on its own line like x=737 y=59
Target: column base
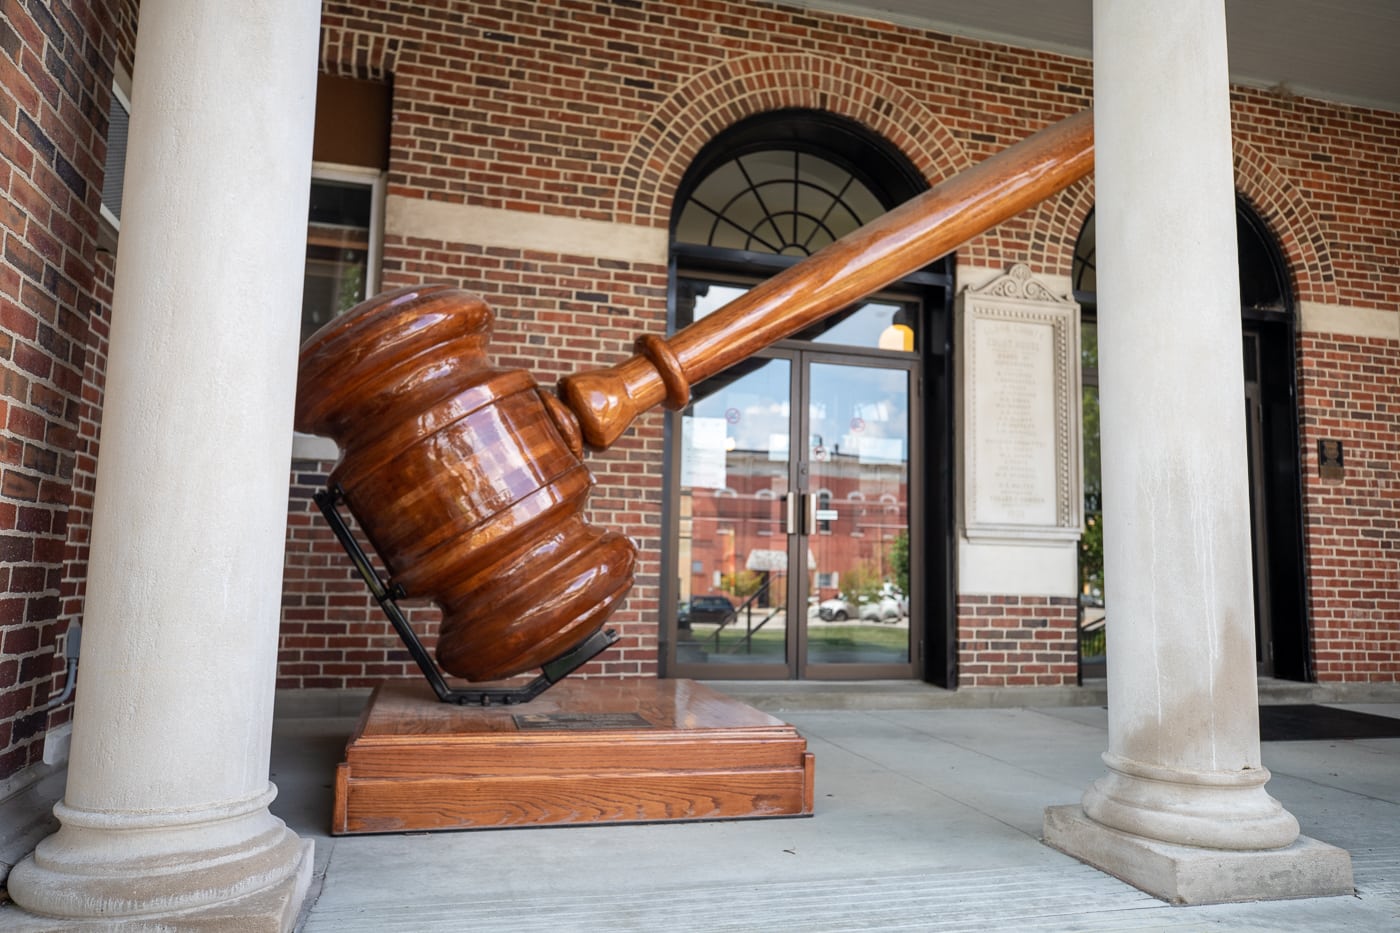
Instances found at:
x=1189 y=807
x=272 y=910
x=1188 y=875
x=225 y=860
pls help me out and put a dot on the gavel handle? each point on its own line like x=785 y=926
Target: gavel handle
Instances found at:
x=606 y=401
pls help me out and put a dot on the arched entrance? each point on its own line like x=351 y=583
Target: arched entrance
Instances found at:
x=1271 y=419
x=807 y=516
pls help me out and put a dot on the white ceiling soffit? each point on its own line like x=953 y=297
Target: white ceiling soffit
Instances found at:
x=1339 y=50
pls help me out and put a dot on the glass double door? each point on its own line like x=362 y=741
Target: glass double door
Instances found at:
x=794 y=538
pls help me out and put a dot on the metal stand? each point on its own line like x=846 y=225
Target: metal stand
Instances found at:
x=329 y=502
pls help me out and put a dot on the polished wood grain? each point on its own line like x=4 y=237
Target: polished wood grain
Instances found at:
x=414 y=764
x=468 y=479
x=906 y=239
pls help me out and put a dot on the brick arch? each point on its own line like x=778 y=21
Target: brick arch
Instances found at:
x=1055 y=224
x=1282 y=207
x=716 y=99
x=350 y=53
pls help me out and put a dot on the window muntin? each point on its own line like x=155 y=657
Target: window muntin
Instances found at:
x=780 y=201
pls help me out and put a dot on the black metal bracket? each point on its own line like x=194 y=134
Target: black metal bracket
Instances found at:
x=329 y=500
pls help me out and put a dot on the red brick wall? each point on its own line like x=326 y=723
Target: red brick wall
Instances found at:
x=55 y=85
x=333 y=633
x=1326 y=178
x=1352 y=387
x=1017 y=641
x=593 y=111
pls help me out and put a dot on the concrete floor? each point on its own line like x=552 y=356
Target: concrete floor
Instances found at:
x=926 y=819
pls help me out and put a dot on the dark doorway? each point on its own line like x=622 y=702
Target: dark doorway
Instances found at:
x=1271 y=413
x=1280 y=585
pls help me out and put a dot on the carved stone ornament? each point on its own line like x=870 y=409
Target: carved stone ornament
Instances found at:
x=1018 y=282
x=1020 y=422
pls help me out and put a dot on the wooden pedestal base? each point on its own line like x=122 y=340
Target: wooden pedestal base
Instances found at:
x=588 y=751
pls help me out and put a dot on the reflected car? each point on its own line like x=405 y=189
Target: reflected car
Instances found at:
x=836 y=609
x=706 y=609
x=884 y=609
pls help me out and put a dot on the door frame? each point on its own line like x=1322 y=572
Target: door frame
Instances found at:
x=800 y=667
x=926 y=608
x=667 y=626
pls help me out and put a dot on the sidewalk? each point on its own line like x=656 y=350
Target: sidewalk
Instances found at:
x=926 y=819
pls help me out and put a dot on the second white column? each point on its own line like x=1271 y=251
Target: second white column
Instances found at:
x=1184 y=766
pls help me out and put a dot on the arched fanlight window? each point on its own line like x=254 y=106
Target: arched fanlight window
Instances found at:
x=1262 y=283
x=787 y=183
x=776 y=188
x=1085 y=272
x=785 y=202
x=1263 y=279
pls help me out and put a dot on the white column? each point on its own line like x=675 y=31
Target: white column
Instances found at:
x=166 y=808
x=1184 y=767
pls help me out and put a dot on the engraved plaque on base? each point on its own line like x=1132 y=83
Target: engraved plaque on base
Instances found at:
x=580 y=722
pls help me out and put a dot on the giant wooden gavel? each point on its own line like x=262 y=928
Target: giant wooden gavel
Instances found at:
x=469 y=480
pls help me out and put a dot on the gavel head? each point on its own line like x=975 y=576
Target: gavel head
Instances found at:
x=468 y=480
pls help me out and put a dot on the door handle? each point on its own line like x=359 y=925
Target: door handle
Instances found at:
x=801 y=513
x=806 y=520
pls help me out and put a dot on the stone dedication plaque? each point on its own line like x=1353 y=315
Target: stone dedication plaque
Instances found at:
x=1020 y=427
x=1015 y=417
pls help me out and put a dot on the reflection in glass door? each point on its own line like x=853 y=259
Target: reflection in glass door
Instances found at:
x=823 y=525
x=857 y=449
x=733 y=550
